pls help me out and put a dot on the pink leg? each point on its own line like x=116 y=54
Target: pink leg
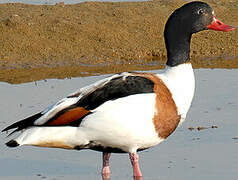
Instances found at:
x=134 y=157
x=106 y=168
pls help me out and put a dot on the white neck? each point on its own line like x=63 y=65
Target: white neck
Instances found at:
x=180 y=80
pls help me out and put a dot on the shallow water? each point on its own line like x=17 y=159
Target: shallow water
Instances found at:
x=207 y=154
x=52 y=2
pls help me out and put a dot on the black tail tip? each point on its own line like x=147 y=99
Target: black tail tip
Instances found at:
x=12 y=143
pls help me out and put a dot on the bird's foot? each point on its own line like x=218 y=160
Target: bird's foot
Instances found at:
x=106 y=170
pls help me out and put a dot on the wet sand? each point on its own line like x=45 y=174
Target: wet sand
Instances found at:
x=206 y=154
x=58 y=41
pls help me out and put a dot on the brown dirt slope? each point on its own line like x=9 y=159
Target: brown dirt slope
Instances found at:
x=58 y=41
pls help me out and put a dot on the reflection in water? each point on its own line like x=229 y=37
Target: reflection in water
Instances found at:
x=107 y=177
x=20 y=75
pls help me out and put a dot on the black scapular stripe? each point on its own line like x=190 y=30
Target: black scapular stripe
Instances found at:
x=116 y=88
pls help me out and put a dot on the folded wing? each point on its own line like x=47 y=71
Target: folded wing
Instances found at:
x=72 y=109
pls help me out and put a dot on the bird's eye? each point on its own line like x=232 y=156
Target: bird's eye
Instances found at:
x=200 y=11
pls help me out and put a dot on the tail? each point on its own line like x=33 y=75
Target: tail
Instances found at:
x=12 y=143
x=56 y=137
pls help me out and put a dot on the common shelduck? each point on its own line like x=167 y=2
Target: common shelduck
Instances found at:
x=130 y=111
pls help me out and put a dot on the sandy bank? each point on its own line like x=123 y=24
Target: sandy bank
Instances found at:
x=57 y=41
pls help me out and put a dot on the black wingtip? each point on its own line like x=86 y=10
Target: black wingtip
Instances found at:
x=23 y=123
x=12 y=143
x=5 y=129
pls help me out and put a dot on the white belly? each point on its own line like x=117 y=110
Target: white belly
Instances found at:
x=124 y=123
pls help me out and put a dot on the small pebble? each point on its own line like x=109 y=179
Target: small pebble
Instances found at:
x=199 y=128
x=191 y=128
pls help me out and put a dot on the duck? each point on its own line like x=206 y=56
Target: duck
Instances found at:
x=127 y=112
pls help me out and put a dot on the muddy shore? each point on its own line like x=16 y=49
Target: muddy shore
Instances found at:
x=58 y=41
